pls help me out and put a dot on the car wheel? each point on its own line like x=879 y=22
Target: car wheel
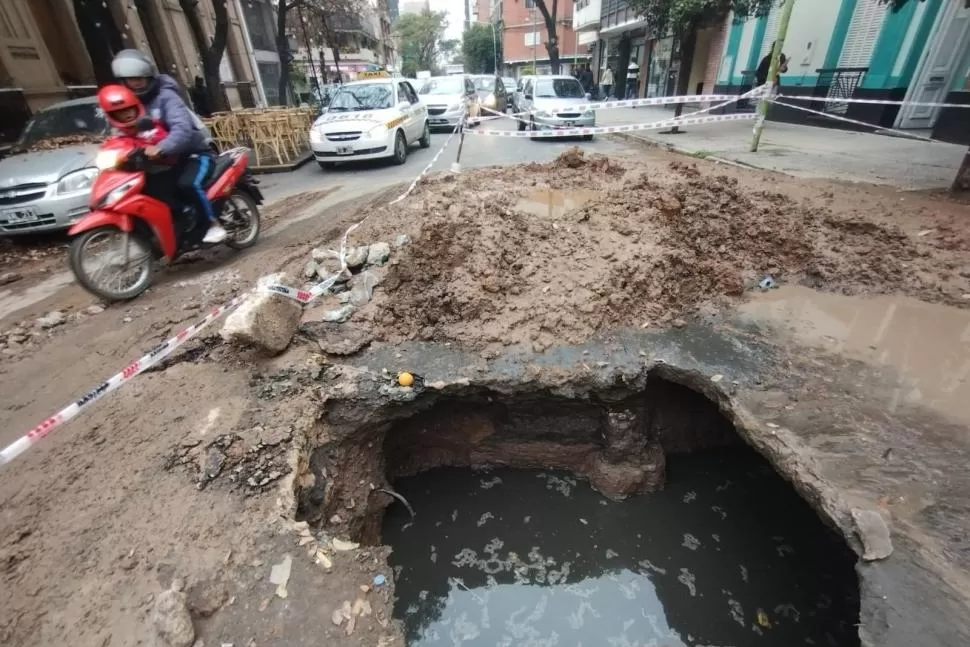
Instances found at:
x=587 y=138
x=400 y=148
x=425 y=141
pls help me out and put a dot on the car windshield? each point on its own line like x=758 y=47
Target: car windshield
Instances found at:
x=364 y=96
x=559 y=89
x=63 y=125
x=484 y=83
x=443 y=85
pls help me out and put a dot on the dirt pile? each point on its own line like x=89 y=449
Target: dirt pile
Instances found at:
x=551 y=253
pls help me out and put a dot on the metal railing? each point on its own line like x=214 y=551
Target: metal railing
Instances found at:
x=837 y=83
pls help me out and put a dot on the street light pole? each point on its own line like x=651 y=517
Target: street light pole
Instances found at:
x=494 y=46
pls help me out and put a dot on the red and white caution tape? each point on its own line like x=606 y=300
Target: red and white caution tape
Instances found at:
x=623 y=128
x=128 y=373
x=886 y=102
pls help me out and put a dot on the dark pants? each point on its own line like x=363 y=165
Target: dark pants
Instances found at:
x=192 y=172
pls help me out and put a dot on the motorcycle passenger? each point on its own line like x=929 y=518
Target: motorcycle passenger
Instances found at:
x=123 y=110
x=185 y=140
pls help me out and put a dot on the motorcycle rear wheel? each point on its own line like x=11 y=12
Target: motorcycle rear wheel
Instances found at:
x=241 y=219
x=130 y=252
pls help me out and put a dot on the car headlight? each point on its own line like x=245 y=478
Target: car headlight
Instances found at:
x=77 y=181
x=589 y=112
x=316 y=135
x=377 y=132
x=116 y=194
x=457 y=106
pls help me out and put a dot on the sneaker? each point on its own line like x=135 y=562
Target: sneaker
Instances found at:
x=216 y=234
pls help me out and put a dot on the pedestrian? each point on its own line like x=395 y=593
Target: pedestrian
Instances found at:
x=607 y=82
x=200 y=98
x=761 y=75
x=587 y=79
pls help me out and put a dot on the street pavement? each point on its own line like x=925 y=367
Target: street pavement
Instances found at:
x=359 y=178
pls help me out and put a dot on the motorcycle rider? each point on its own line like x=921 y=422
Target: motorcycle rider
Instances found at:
x=123 y=110
x=185 y=140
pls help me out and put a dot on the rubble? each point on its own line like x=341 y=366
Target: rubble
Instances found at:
x=171 y=618
x=265 y=319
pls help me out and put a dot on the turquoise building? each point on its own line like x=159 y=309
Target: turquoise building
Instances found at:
x=862 y=49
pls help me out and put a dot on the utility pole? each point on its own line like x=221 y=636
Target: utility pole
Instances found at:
x=535 y=40
x=772 y=72
x=309 y=52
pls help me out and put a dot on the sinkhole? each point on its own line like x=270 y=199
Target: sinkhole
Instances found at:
x=626 y=516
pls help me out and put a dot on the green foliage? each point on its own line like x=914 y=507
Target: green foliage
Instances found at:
x=478 y=49
x=896 y=5
x=421 y=35
x=681 y=17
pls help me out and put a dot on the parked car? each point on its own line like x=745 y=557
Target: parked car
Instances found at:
x=552 y=102
x=491 y=93
x=46 y=180
x=380 y=117
x=448 y=98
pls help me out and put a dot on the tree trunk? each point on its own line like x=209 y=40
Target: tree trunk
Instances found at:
x=334 y=46
x=552 y=40
x=212 y=51
x=962 y=181
x=687 y=46
x=622 y=67
x=283 y=49
x=323 y=65
x=160 y=52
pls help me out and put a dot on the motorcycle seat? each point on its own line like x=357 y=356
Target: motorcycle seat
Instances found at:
x=220 y=165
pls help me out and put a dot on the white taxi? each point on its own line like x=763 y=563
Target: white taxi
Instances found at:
x=371 y=118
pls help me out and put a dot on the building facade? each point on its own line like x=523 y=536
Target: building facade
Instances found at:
x=861 y=49
x=524 y=37
x=362 y=42
x=52 y=50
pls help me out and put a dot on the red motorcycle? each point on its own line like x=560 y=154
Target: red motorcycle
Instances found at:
x=131 y=229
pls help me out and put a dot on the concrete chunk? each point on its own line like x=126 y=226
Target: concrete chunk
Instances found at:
x=874 y=534
x=266 y=320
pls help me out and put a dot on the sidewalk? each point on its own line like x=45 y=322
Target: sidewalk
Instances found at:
x=805 y=151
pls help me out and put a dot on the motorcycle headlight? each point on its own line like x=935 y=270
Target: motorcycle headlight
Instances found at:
x=107 y=160
x=116 y=194
x=77 y=181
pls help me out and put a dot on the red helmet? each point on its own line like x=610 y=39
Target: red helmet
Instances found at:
x=116 y=98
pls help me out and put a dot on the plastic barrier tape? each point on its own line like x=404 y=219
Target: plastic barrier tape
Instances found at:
x=927 y=104
x=163 y=350
x=624 y=128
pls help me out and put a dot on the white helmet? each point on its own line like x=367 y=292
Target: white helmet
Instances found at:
x=131 y=64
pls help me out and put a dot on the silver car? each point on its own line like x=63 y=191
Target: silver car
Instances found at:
x=556 y=102
x=448 y=98
x=46 y=181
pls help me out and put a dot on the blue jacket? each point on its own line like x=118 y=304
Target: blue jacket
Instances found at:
x=185 y=135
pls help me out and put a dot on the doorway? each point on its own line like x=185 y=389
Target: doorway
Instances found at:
x=947 y=48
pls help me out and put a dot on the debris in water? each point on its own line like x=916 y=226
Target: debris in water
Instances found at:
x=484 y=518
x=610 y=553
x=744 y=574
x=379 y=580
x=763 y=619
x=687 y=579
x=280 y=575
x=690 y=496
x=767 y=283
x=690 y=541
x=487 y=485
x=583 y=521
x=402 y=500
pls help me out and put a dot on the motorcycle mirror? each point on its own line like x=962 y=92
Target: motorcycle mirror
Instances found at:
x=144 y=124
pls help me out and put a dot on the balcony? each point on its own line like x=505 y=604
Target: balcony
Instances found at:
x=364 y=24
x=586 y=15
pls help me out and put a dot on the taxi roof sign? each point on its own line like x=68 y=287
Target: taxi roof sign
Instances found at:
x=373 y=74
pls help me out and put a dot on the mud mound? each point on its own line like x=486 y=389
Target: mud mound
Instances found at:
x=504 y=256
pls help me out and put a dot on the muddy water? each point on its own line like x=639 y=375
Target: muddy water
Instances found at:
x=552 y=203
x=726 y=555
x=926 y=345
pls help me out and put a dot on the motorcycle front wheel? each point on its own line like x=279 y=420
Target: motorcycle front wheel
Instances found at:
x=111 y=264
x=241 y=220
